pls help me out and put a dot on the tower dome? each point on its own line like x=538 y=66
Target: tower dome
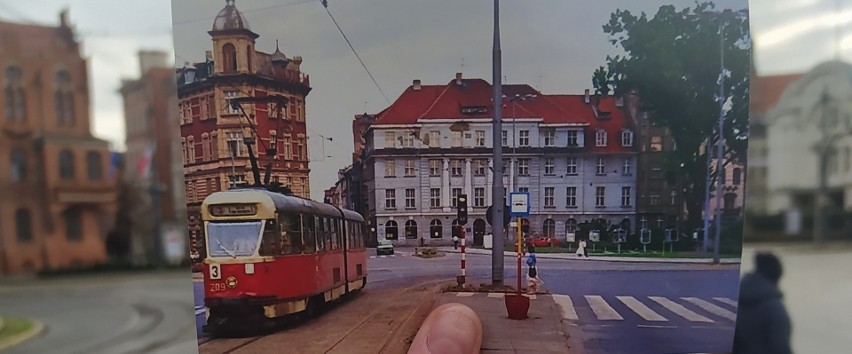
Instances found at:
x=278 y=56
x=230 y=19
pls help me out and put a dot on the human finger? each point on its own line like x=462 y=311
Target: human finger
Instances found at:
x=449 y=329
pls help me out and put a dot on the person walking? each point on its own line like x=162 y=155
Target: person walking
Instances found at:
x=455 y=242
x=581 y=248
x=763 y=325
x=534 y=283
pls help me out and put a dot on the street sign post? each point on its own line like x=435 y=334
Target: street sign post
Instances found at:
x=594 y=238
x=619 y=237
x=671 y=238
x=519 y=206
x=645 y=239
x=461 y=202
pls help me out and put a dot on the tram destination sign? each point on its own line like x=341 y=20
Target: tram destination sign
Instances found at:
x=233 y=210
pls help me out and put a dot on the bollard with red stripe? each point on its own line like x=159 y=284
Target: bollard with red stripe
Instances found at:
x=462 y=217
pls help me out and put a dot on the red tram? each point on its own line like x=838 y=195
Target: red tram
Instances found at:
x=270 y=255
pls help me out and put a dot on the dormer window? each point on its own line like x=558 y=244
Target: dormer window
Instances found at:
x=626 y=138
x=600 y=138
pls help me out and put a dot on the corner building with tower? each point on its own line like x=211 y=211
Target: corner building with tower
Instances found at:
x=213 y=131
x=574 y=154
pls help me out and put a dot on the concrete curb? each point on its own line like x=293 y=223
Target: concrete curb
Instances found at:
x=36 y=329
x=614 y=259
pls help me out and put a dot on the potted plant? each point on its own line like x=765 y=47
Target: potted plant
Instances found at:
x=517 y=305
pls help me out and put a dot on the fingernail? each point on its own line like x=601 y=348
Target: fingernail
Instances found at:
x=453 y=332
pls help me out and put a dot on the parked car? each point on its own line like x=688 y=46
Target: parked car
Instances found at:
x=384 y=247
x=545 y=241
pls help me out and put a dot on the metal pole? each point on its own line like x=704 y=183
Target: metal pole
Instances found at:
x=497 y=189
x=706 y=230
x=462 y=278
x=520 y=256
x=155 y=209
x=720 y=148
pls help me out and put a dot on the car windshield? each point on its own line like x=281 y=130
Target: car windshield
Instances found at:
x=385 y=243
x=233 y=239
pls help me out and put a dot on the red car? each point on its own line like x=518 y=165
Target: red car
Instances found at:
x=545 y=241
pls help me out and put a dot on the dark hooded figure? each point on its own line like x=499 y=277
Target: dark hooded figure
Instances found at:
x=763 y=326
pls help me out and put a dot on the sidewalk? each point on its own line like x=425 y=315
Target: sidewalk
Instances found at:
x=448 y=249
x=540 y=333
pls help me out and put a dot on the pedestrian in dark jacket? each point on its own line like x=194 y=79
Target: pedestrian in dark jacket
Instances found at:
x=763 y=326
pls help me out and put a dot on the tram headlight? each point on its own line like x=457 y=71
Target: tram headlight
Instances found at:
x=249 y=268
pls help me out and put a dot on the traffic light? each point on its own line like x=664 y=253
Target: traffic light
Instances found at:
x=462 y=209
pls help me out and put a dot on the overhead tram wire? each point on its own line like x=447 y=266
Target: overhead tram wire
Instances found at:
x=325 y=5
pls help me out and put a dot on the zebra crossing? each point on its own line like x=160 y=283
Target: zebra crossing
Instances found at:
x=652 y=311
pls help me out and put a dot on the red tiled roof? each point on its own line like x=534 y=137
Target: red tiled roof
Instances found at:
x=765 y=91
x=447 y=101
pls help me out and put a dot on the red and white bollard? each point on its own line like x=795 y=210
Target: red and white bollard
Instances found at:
x=462 y=276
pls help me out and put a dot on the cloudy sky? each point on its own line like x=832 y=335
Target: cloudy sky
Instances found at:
x=553 y=45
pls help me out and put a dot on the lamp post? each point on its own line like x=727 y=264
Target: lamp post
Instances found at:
x=497 y=134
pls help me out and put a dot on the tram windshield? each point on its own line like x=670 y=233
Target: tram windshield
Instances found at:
x=233 y=239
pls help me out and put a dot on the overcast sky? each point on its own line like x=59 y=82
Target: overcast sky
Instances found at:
x=553 y=45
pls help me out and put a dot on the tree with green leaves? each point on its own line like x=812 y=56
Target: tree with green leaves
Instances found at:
x=673 y=63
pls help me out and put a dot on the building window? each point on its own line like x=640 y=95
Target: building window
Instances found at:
x=14 y=94
x=737 y=178
x=408 y=140
x=523 y=190
x=435 y=138
x=626 y=138
x=409 y=198
x=456 y=167
x=625 y=167
x=479 y=167
x=572 y=166
x=549 y=166
x=232 y=108
x=23 y=225
x=479 y=197
x=303 y=153
x=94 y=166
x=625 y=196
x=600 y=197
x=656 y=143
x=436 y=230
x=235 y=149
x=73 y=225
x=571 y=225
x=571 y=197
x=390 y=168
x=730 y=200
x=63 y=99
x=505 y=138
x=19 y=165
x=549 y=137
x=411 y=230
x=505 y=167
x=457 y=138
x=390 y=139
x=190 y=149
x=549 y=197
x=549 y=228
x=288 y=147
x=390 y=198
x=435 y=197
x=410 y=170
x=600 y=138
x=229 y=58
x=601 y=168
x=455 y=196
x=655 y=199
x=524 y=138
x=66 y=165
x=480 y=138
x=435 y=167
x=391 y=230
x=523 y=167
x=572 y=138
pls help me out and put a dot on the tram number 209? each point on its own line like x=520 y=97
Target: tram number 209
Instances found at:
x=217 y=287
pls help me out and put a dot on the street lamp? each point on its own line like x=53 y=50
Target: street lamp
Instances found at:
x=497 y=133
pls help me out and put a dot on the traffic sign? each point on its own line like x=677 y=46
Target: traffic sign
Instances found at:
x=571 y=237
x=619 y=236
x=595 y=236
x=520 y=204
x=645 y=236
x=507 y=217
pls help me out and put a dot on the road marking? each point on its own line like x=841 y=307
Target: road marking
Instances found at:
x=679 y=309
x=531 y=296
x=655 y=326
x=568 y=311
x=716 y=310
x=640 y=309
x=602 y=310
x=725 y=300
x=464 y=294
x=495 y=295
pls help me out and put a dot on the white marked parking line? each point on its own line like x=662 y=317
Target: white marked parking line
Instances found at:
x=679 y=309
x=716 y=310
x=602 y=310
x=725 y=300
x=640 y=309
x=567 y=306
x=464 y=294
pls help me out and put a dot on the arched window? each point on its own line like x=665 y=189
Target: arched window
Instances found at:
x=66 y=165
x=63 y=100
x=229 y=58
x=436 y=230
x=19 y=165
x=94 y=167
x=571 y=225
x=600 y=137
x=411 y=229
x=73 y=224
x=391 y=230
x=456 y=229
x=626 y=138
x=549 y=228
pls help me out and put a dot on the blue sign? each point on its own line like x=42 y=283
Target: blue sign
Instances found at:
x=519 y=204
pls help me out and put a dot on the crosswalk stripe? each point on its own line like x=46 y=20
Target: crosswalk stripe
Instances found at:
x=495 y=295
x=640 y=309
x=602 y=310
x=464 y=294
x=716 y=310
x=568 y=311
x=725 y=300
x=679 y=309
